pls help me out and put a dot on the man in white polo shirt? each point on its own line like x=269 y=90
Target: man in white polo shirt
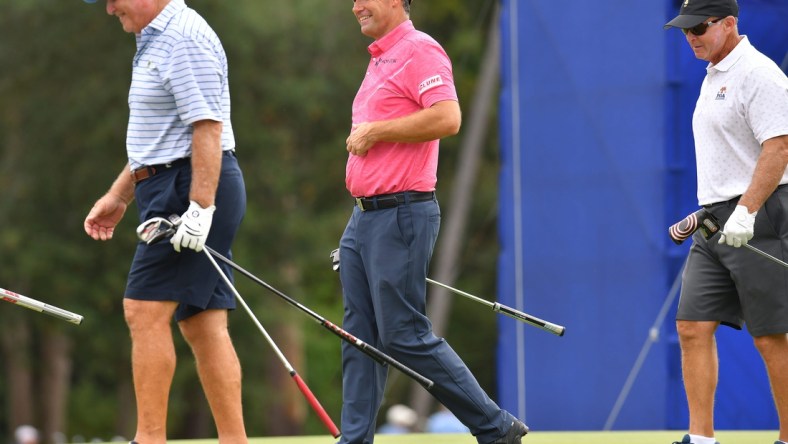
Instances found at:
x=406 y=103
x=740 y=126
x=181 y=160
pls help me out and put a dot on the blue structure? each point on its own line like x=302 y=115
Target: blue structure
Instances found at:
x=597 y=161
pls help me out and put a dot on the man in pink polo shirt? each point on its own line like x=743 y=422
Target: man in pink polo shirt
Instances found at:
x=405 y=105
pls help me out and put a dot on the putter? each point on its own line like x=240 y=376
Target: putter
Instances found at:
x=549 y=327
x=32 y=304
x=708 y=225
x=158 y=228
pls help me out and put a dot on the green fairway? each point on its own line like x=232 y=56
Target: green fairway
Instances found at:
x=648 y=437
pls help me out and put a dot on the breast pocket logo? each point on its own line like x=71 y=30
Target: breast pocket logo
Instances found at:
x=430 y=83
x=721 y=93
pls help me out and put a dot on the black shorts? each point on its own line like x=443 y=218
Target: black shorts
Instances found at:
x=737 y=286
x=158 y=272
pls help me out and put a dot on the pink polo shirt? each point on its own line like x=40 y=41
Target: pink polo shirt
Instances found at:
x=409 y=71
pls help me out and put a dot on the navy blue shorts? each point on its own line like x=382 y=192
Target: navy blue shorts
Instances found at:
x=158 y=272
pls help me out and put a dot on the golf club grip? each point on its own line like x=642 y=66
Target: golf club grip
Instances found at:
x=555 y=329
x=377 y=355
x=32 y=304
x=321 y=412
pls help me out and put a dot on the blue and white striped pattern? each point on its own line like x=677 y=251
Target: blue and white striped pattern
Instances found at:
x=179 y=77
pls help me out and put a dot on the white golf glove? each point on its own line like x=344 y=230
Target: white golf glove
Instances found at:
x=194 y=228
x=739 y=227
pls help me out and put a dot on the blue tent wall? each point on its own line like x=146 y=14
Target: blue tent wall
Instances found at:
x=596 y=162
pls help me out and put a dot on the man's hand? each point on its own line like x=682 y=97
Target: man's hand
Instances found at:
x=360 y=139
x=194 y=228
x=739 y=227
x=104 y=216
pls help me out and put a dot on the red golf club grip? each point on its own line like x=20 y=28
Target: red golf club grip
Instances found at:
x=321 y=412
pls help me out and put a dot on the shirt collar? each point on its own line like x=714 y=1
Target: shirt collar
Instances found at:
x=164 y=17
x=738 y=51
x=386 y=42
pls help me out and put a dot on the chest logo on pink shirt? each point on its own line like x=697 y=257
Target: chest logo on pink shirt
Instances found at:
x=430 y=83
x=385 y=61
x=721 y=93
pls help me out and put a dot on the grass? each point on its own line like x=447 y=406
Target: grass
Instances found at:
x=639 y=437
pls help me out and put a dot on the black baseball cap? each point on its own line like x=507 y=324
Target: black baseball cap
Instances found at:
x=693 y=12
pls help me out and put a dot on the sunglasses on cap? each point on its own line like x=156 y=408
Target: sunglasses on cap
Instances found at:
x=701 y=28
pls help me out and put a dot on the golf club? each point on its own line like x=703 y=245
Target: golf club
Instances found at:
x=709 y=225
x=321 y=412
x=555 y=329
x=32 y=304
x=158 y=228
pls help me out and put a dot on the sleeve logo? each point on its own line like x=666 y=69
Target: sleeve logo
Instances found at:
x=430 y=83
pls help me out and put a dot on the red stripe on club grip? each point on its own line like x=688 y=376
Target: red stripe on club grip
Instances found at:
x=321 y=412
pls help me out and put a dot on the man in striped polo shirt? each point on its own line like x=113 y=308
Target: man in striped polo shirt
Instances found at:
x=181 y=160
x=740 y=126
x=406 y=103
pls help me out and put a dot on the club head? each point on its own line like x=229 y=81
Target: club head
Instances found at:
x=709 y=225
x=700 y=220
x=155 y=229
x=334 y=259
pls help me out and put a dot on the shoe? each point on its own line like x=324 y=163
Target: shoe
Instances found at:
x=686 y=440
x=514 y=435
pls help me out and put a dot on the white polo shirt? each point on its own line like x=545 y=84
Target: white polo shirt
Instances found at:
x=743 y=102
x=179 y=77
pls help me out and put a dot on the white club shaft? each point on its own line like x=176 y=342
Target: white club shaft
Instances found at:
x=250 y=313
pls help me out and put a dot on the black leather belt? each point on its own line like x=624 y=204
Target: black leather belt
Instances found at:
x=383 y=201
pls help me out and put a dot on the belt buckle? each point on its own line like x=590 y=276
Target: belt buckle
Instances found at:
x=360 y=203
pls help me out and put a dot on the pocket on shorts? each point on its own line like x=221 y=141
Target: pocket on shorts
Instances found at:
x=164 y=194
x=774 y=222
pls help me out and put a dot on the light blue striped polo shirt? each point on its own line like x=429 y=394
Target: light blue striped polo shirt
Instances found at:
x=179 y=77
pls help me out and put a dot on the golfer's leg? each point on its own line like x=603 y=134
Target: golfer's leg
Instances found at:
x=774 y=350
x=363 y=379
x=404 y=241
x=699 y=366
x=219 y=371
x=152 y=364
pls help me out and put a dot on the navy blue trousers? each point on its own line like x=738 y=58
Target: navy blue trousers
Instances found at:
x=385 y=257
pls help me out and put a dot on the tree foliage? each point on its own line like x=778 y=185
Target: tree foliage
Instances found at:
x=294 y=69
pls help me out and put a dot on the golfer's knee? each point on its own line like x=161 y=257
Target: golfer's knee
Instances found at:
x=770 y=343
x=142 y=316
x=693 y=332
x=208 y=326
